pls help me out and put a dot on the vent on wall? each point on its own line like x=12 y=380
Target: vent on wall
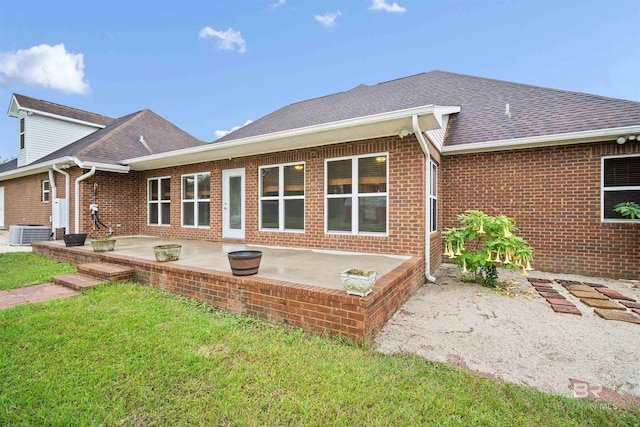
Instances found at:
x=25 y=234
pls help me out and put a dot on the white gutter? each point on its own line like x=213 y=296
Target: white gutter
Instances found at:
x=63 y=118
x=52 y=187
x=427 y=217
x=36 y=168
x=542 y=140
x=66 y=193
x=77 y=198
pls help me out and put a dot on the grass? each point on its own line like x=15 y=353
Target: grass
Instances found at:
x=19 y=269
x=131 y=355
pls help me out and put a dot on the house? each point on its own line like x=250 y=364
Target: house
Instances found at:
x=378 y=169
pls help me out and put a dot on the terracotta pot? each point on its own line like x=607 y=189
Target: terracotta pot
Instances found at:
x=167 y=252
x=244 y=263
x=75 y=239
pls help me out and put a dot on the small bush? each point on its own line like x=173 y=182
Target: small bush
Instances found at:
x=483 y=243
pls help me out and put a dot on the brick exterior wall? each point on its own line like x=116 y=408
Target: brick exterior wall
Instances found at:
x=23 y=199
x=314 y=308
x=554 y=195
x=405 y=193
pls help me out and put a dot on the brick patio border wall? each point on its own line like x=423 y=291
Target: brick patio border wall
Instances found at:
x=308 y=307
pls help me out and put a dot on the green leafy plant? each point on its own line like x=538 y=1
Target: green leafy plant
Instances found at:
x=485 y=242
x=630 y=209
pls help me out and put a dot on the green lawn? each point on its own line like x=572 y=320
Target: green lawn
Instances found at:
x=19 y=269
x=137 y=356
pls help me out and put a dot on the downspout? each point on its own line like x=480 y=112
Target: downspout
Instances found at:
x=52 y=197
x=66 y=194
x=427 y=218
x=77 y=198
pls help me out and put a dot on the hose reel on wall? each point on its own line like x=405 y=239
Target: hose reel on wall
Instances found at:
x=97 y=224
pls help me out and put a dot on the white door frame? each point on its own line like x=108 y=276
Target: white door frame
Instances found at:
x=1 y=206
x=227 y=231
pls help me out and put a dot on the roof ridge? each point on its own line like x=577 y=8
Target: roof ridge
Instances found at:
x=116 y=126
x=61 y=105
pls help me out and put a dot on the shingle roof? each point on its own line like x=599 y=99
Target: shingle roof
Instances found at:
x=61 y=110
x=534 y=110
x=120 y=140
x=10 y=165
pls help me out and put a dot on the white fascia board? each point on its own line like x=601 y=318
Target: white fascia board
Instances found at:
x=426 y=110
x=36 y=168
x=63 y=118
x=542 y=140
x=46 y=166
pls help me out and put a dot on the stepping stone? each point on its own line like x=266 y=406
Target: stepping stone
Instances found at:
x=614 y=294
x=567 y=309
x=559 y=301
x=568 y=282
x=574 y=287
x=542 y=285
x=630 y=304
x=534 y=280
x=599 y=303
x=595 y=285
x=550 y=294
x=621 y=316
x=589 y=294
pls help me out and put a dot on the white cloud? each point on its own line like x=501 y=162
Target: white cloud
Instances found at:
x=328 y=20
x=383 y=5
x=278 y=3
x=47 y=66
x=221 y=133
x=227 y=40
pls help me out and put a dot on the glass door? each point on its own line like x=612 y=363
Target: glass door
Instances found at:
x=233 y=206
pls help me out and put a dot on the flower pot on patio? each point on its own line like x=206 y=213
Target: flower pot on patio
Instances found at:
x=74 y=239
x=104 y=244
x=167 y=252
x=244 y=263
x=358 y=282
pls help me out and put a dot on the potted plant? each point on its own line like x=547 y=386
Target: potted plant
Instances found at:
x=167 y=252
x=630 y=209
x=103 y=244
x=358 y=281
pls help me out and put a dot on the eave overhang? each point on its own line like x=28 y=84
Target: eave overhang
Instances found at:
x=15 y=108
x=60 y=162
x=581 y=137
x=374 y=126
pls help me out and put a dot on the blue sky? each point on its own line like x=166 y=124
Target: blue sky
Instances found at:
x=208 y=66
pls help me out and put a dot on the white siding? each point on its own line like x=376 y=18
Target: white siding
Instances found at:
x=44 y=135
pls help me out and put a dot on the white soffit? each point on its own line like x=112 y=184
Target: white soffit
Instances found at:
x=375 y=126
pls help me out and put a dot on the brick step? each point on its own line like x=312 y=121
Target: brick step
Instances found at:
x=106 y=271
x=78 y=281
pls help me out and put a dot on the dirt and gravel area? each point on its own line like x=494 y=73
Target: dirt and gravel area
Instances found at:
x=516 y=336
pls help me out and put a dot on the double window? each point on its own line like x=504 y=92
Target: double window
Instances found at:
x=356 y=194
x=620 y=183
x=196 y=189
x=159 y=201
x=282 y=197
x=46 y=190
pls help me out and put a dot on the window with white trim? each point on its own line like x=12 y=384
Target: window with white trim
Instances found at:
x=433 y=195
x=46 y=191
x=620 y=183
x=282 y=197
x=196 y=189
x=159 y=201
x=22 y=133
x=356 y=194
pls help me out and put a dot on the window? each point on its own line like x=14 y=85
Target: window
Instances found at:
x=195 y=200
x=46 y=190
x=356 y=194
x=433 y=195
x=159 y=195
x=620 y=183
x=282 y=197
x=22 y=133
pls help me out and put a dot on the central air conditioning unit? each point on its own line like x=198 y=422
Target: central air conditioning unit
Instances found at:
x=25 y=234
